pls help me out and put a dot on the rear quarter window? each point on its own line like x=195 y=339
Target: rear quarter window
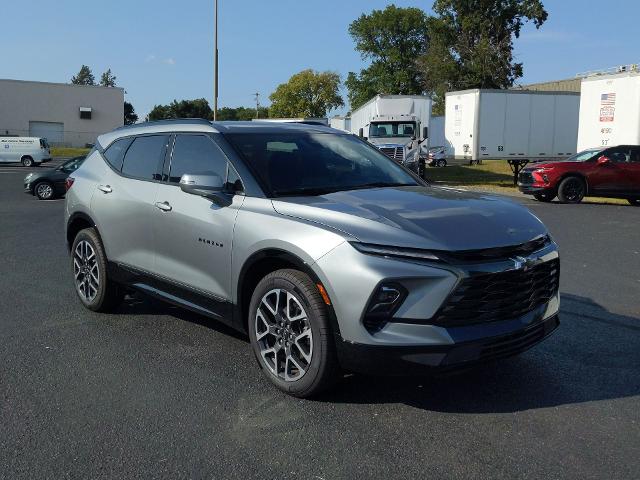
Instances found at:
x=115 y=152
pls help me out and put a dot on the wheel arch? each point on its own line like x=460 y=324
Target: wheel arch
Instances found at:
x=260 y=264
x=580 y=175
x=78 y=221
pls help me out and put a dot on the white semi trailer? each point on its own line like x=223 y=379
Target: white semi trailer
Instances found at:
x=510 y=124
x=396 y=124
x=610 y=110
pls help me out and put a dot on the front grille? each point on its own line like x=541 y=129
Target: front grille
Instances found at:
x=496 y=253
x=492 y=297
x=525 y=178
x=513 y=344
x=394 y=153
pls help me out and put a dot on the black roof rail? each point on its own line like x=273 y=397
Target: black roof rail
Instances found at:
x=167 y=121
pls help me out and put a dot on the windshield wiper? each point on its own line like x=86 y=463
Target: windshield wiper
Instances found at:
x=304 y=191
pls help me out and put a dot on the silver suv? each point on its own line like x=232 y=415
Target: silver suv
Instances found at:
x=327 y=253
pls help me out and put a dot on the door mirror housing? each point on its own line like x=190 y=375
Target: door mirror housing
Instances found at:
x=361 y=133
x=207 y=185
x=425 y=133
x=603 y=160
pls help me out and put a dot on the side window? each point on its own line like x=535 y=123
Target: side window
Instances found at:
x=635 y=154
x=196 y=154
x=619 y=154
x=115 y=152
x=144 y=157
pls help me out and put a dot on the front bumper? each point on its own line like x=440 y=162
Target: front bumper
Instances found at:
x=530 y=189
x=477 y=346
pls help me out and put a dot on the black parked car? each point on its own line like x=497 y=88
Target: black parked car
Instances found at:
x=50 y=183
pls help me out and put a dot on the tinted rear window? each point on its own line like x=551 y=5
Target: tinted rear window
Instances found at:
x=115 y=152
x=144 y=157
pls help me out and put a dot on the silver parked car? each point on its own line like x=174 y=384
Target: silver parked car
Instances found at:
x=331 y=256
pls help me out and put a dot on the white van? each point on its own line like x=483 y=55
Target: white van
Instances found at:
x=27 y=150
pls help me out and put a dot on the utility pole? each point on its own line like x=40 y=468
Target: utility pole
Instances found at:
x=257 y=95
x=215 y=67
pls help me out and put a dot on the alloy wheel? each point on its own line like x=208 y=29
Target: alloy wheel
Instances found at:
x=284 y=336
x=86 y=272
x=574 y=190
x=44 y=191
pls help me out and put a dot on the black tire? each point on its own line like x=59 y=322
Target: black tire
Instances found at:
x=441 y=163
x=44 y=191
x=323 y=370
x=544 y=197
x=108 y=295
x=634 y=201
x=572 y=190
x=27 y=161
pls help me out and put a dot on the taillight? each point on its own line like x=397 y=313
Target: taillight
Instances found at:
x=68 y=183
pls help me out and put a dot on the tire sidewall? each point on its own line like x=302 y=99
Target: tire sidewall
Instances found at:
x=27 y=162
x=91 y=236
x=316 y=317
x=564 y=183
x=38 y=195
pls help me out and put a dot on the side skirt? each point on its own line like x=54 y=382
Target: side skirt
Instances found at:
x=171 y=292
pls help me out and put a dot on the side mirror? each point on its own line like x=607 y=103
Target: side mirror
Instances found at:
x=361 y=133
x=207 y=185
x=425 y=133
x=604 y=160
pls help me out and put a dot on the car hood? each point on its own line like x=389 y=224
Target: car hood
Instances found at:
x=418 y=217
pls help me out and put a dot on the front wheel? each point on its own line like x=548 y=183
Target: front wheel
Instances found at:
x=441 y=163
x=44 y=191
x=543 y=197
x=290 y=334
x=572 y=190
x=89 y=266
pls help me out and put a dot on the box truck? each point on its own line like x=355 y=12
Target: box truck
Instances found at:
x=510 y=124
x=396 y=124
x=609 y=110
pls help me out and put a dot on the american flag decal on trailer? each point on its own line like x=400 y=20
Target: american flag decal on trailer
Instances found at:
x=608 y=99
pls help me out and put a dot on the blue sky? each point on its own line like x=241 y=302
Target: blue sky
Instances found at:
x=162 y=49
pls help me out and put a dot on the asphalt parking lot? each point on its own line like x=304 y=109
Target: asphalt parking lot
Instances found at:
x=154 y=391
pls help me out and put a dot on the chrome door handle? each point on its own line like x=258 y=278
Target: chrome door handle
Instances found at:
x=164 y=206
x=105 y=188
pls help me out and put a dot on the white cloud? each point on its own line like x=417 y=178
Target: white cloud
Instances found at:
x=150 y=58
x=153 y=58
x=169 y=61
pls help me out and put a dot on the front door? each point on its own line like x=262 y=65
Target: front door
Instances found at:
x=611 y=178
x=193 y=235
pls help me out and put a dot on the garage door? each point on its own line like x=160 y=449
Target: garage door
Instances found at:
x=52 y=131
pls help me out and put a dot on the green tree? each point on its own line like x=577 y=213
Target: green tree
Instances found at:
x=391 y=40
x=108 y=79
x=84 y=77
x=198 y=108
x=130 y=115
x=471 y=44
x=306 y=94
x=241 y=113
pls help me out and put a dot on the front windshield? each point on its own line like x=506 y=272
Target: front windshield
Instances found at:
x=305 y=163
x=583 y=156
x=392 y=129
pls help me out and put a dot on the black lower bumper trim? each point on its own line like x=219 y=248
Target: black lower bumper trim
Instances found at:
x=531 y=190
x=416 y=360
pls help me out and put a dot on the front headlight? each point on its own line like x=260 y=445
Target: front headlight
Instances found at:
x=388 y=251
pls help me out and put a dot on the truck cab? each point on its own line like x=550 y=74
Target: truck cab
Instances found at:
x=397 y=136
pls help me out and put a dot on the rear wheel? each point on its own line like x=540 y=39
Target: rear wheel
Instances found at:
x=634 y=201
x=89 y=267
x=44 y=191
x=543 y=197
x=27 y=161
x=441 y=163
x=290 y=334
x=572 y=190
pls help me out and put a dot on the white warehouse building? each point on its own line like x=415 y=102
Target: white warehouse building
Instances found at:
x=64 y=114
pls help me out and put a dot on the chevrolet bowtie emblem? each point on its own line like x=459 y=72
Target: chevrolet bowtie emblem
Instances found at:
x=520 y=263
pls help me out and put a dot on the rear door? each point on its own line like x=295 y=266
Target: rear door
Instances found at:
x=611 y=178
x=634 y=171
x=123 y=201
x=193 y=235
